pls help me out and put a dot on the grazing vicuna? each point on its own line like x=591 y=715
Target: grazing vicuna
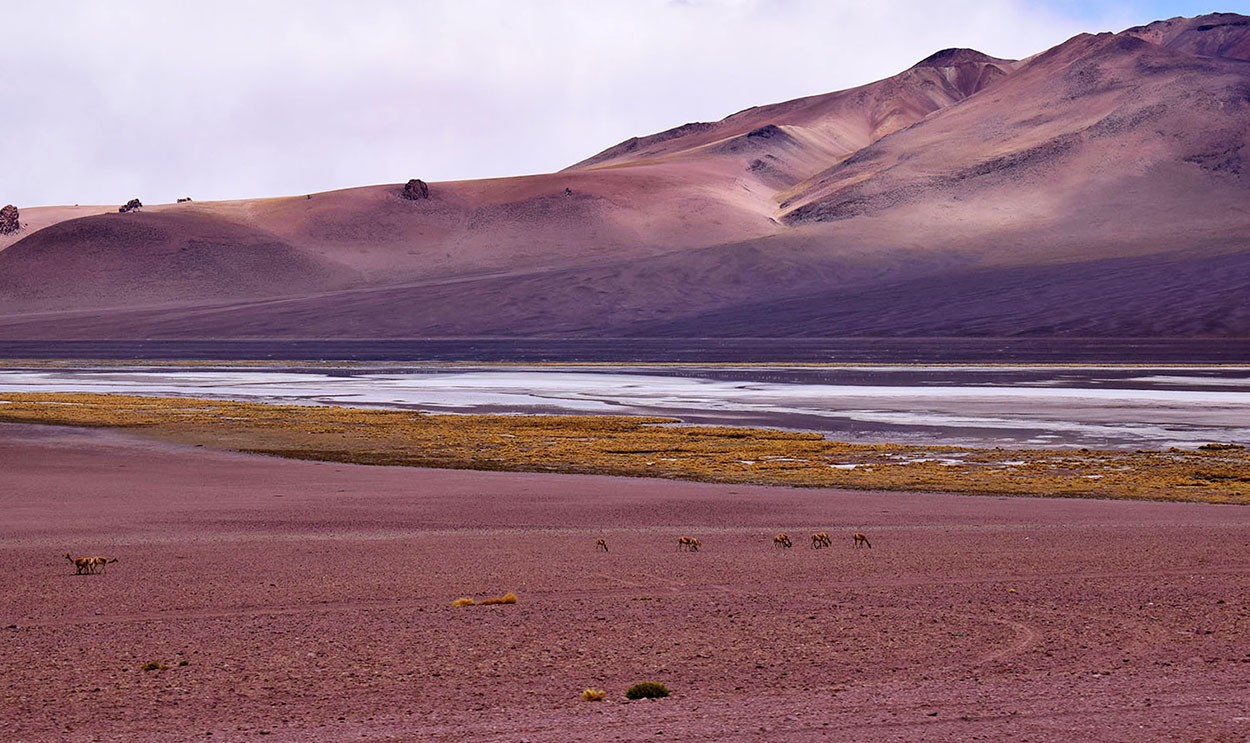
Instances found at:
x=100 y=561
x=861 y=539
x=821 y=539
x=689 y=544
x=782 y=540
x=601 y=544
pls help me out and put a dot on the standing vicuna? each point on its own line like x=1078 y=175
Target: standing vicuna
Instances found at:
x=82 y=565
x=782 y=540
x=689 y=544
x=601 y=544
x=861 y=539
x=821 y=539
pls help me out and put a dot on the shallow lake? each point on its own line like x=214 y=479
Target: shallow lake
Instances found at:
x=1019 y=406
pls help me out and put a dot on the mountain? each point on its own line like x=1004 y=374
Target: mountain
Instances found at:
x=1099 y=188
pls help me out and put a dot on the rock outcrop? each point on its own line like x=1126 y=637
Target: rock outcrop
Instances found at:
x=416 y=190
x=9 y=222
x=133 y=205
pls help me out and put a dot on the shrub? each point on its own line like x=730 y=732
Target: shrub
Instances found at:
x=154 y=666
x=647 y=690
x=594 y=695
x=507 y=598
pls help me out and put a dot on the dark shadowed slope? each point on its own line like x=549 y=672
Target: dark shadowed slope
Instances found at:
x=1099 y=188
x=1161 y=296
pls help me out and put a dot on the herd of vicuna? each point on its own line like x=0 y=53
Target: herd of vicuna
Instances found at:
x=96 y=563
x=89 y=565
x=819 y=540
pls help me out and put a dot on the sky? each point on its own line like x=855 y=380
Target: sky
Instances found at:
x=104 y=102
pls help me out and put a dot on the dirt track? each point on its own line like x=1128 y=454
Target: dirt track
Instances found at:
x=311 y=601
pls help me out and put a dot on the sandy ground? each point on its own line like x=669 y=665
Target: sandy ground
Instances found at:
x=311 y=601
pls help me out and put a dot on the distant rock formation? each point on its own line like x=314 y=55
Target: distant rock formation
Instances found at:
x=8 y=220
x=768 y=131
x=133 y=205
x=416 y=190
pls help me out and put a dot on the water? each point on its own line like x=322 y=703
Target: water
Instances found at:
x=1026 y=406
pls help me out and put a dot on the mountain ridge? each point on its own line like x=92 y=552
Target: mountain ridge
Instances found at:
x=1110 y=165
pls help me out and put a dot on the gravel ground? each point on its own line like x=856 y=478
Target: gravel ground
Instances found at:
x=312 y=601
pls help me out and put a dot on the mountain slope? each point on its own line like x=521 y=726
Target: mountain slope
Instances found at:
x=784 y=143
x=1098 y=188
x=1100 y=132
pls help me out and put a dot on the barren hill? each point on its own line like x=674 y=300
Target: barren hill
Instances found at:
x=1099 y=188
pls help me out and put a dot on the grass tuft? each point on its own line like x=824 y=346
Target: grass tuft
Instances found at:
x=594 y=695
x=507 y=598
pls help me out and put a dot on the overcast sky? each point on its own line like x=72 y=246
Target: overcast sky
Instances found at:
x=105 y=101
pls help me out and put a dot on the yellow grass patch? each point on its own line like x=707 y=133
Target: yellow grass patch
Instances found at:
x=507 y=598
x=645 y=447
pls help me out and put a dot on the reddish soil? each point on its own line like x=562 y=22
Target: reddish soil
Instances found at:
x=312 y=601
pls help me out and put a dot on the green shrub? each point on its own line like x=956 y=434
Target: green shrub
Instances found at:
x=647 y=690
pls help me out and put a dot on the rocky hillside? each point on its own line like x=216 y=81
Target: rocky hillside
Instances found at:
x=1099 y=188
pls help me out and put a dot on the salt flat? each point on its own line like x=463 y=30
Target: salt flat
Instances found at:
x=970 y=406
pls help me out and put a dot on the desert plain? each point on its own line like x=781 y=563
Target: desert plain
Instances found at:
x=300 y=600
x=1085 y=204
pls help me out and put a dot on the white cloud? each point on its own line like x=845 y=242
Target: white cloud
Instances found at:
x=106 y=101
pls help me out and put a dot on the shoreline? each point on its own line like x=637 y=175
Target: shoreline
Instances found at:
x=231 y=363
x=1151 y=408
x=646 y=447
x=663 y=350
